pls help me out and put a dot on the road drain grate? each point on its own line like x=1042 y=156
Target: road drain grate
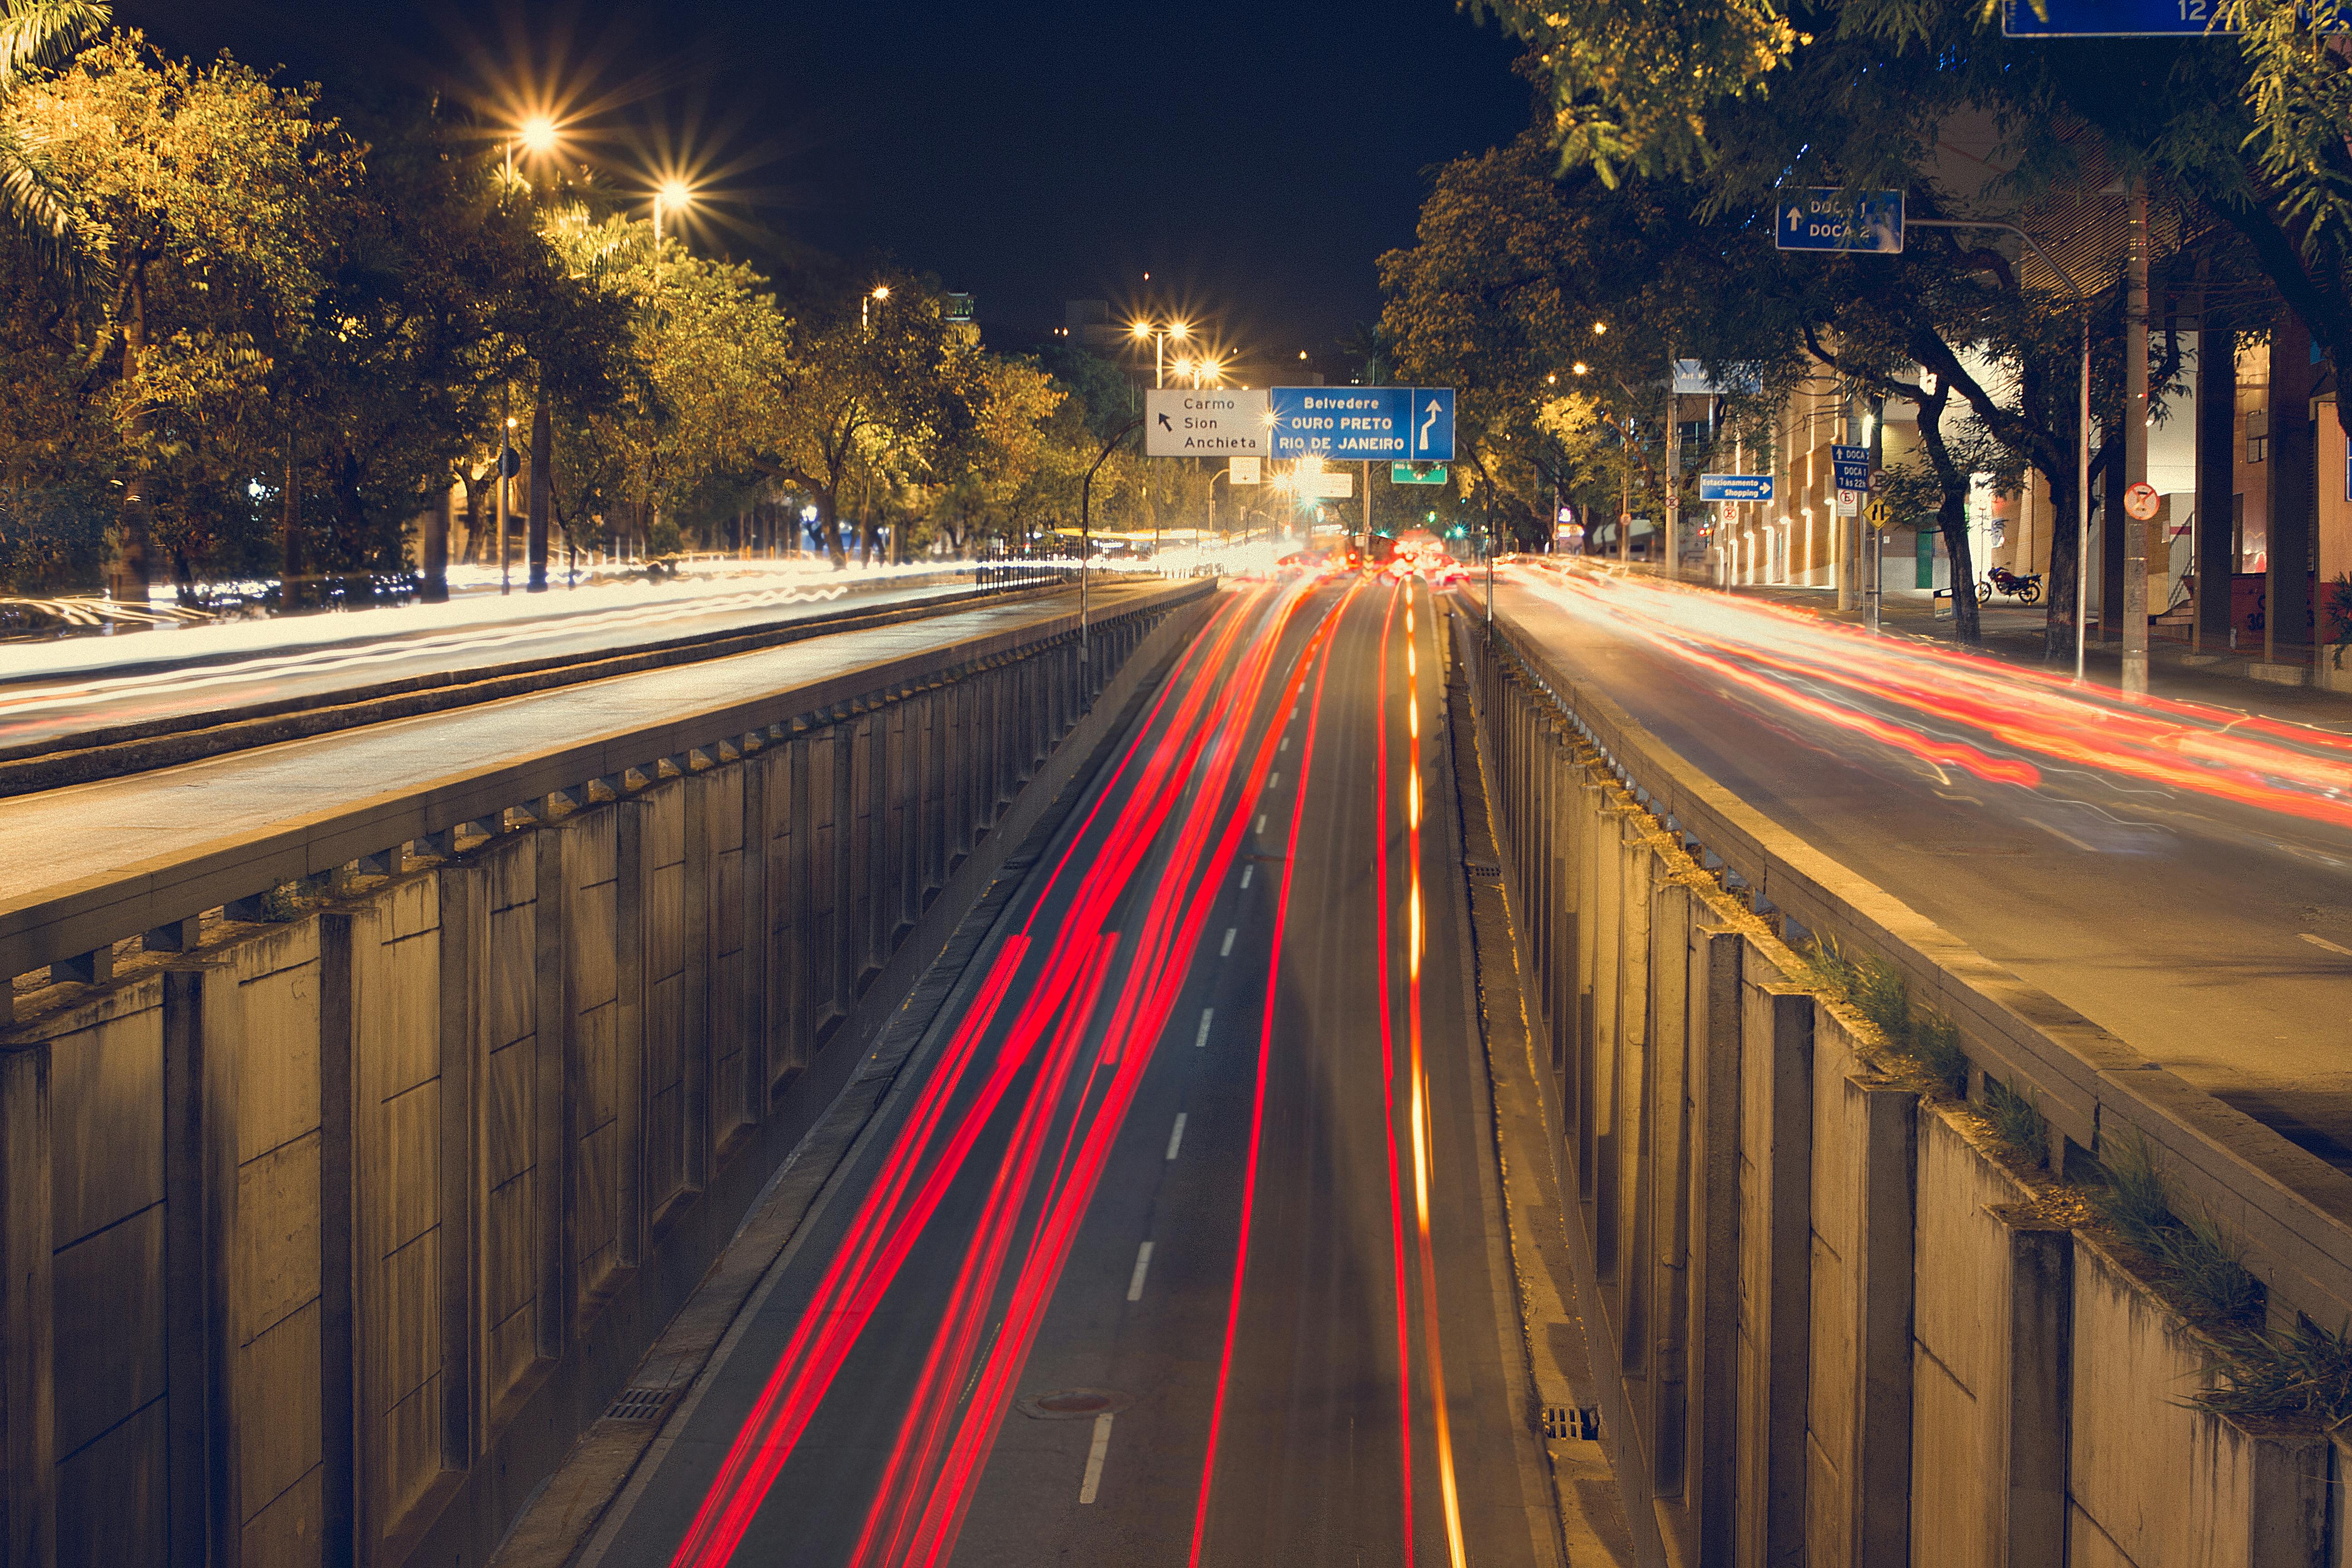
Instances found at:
x=1562 y=1422
x=639 y=1405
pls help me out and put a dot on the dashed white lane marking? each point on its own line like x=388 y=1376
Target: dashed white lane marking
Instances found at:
x=1247 y=872
x=2062 y=833
x=1286 y=745
x=1227 y=950
x=1273 y=779
x=1143 y=1265
x=1096 y=1454
x=1176 y=1136
x=1261 y=822
x=2322 y=942
x=1203 y=1037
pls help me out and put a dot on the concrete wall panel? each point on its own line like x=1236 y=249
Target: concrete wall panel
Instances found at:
x=106 y=1096
x=110 y=1497
x=305 y=1233
x=109 y=1333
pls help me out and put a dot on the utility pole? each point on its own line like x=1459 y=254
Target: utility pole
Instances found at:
x=1673 y=508
x=1848 y=571
x=2134 y=607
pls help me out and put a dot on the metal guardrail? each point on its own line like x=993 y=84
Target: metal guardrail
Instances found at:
x=2291 y=1209
x=72 y=929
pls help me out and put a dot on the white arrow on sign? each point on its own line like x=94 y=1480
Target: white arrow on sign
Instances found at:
x=1427 y=423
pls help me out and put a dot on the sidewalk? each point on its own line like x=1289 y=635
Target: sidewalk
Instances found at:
x=2013 y=633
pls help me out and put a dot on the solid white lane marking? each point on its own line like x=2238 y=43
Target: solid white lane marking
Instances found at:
x=1203 y=1037
x=1095 y=1455
x=1142 y=1263
x=2323 y=942
x=1176 y=1136
x=1261 y=822
x=1247 y=872
x=1227 y=950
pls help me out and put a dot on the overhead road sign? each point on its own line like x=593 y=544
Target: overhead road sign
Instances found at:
x=1853 y=467
x=1243 y=470
x=1416 y=473
x=1832 y=218
x=2119 y=19
x=1204 y=422
x=1734 y=487
x=1363 y=423
x=1327 y=484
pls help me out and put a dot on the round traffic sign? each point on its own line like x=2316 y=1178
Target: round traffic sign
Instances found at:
x=2141 y=500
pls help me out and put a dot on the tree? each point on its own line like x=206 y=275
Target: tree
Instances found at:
x=35 y=35
x=201 y=192
x=865 y=392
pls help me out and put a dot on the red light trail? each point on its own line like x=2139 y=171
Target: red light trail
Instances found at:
x=1866 y=685
x=1187 y=767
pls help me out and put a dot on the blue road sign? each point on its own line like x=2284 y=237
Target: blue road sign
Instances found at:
x=2108 y=19
x=1734 y=487
x=1834 y=218
x=1853 y=466
x=1352 y=424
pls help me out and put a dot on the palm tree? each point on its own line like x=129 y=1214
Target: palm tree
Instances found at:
x=35 y=35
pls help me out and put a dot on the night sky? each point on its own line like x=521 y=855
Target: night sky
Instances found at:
x=1254 y=159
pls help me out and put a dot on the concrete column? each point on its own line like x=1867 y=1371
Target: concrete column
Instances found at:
x=554 y=1046
x=1713 y=1402
x=2039 y=1297
x=697 y=1047
x=2217 y=453
x=1629 y=1091
x=1881 y=1519
x=1668 y=1179
x=757 y=1001
x=344 y=1461
x=28 y=1522
x=466 y=1007
x=1775 y=1263
x=198 y=1166
x=1587 y=823
x=631 y=1204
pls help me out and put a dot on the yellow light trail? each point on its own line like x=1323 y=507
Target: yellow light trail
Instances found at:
x=1429 y=1313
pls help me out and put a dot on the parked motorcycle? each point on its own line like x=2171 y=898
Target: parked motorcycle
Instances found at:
x=2024 y=587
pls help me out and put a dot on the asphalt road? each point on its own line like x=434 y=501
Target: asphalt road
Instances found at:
x=2213 y=935
x=1171 y=1302
x=110 y=827
x=66 y=686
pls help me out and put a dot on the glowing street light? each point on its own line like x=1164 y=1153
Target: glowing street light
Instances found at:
x=1159 y=333
x=673 y=194
x=880 y=293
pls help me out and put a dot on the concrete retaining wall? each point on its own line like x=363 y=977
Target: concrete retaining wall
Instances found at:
x=1828 y=1325
x=322 y=1234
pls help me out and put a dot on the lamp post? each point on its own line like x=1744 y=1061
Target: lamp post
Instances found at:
x=872 y=297
x=2082 y=432
x=1161 y=334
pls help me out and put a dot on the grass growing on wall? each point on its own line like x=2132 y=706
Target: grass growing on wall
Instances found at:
x=1873 y=989
x=2302 y=1375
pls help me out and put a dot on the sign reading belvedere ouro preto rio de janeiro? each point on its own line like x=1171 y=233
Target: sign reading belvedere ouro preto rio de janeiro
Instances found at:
x=1362 y=424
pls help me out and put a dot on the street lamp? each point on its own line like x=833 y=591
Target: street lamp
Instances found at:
x=879 y=293
x=1160 y=335
x=672 y=195
x=538 y=134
